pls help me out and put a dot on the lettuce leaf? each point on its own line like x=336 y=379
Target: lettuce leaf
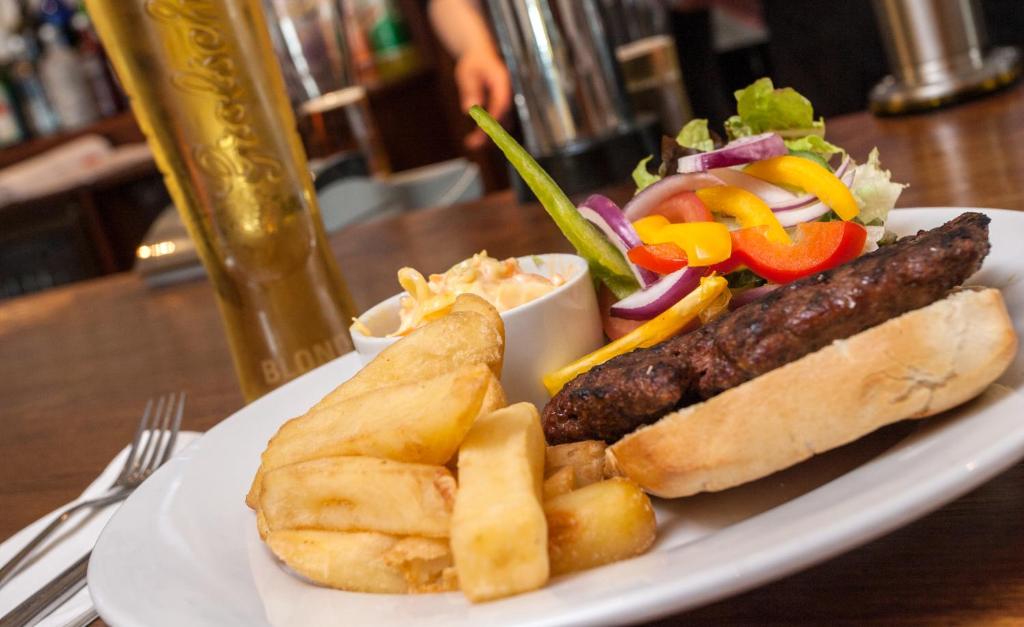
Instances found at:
x=642 y=176
x=761 y=108
x=695 y=135
x=875 y=193
x=815 y=144
x=743 y=279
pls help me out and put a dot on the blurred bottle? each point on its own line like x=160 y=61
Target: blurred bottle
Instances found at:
x=360 y=52
x=57 y=13
x=650 y=64
x=94 y=66
x=394 y=54
x=11 y=131
x=39 y=115
x=66 y=85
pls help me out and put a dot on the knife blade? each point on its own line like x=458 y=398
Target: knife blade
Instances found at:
x=48 y=598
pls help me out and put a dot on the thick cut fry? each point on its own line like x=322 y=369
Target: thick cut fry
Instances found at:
x=602 y=523
x=560 y=482
x=473 y=333
x=365 y=562
x=261 y=525
x=419 y=423
x=426 y=564
x=359 y=494
x=494 y=397
x=472 y=302
x=499 y=534
x=586 y=458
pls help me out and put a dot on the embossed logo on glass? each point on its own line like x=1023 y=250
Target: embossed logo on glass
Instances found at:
x=211 y=70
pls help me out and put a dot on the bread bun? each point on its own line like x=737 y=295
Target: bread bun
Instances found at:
x=913 y=366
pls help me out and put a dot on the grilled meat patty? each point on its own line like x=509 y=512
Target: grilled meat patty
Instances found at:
x=640 y=387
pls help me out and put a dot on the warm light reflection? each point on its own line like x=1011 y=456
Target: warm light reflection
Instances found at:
x=155 y=250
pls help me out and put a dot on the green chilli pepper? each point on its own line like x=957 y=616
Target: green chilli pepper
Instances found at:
x=606 y=262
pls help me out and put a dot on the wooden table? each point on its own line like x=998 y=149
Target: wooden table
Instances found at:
x=78 y=363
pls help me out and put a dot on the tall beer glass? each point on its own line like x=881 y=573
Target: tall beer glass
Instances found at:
x=207 y=92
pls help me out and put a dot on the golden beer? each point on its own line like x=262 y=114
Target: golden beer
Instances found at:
x=207 y=92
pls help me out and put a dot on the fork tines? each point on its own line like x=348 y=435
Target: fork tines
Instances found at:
x=154 y=438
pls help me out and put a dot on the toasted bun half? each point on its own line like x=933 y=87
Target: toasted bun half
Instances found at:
x=913 y=366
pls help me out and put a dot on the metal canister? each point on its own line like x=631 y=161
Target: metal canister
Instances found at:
x=569 y=94
x=938 y=53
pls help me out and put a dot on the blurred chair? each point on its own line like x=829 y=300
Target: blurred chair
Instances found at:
x=439 y=184
x=39 y=250
x=75 y=211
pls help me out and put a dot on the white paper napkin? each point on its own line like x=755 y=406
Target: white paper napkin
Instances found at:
x=70 y=542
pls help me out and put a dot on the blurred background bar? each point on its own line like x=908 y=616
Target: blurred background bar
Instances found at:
x=378 y=88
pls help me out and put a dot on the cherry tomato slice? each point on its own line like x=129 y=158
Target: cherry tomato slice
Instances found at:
x=684 y=207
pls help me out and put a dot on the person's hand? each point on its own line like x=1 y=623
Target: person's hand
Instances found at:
x=483 y=80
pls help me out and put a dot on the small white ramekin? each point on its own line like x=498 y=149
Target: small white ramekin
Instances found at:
x=540 y=336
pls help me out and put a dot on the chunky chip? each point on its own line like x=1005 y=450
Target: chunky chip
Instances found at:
x=472 y=333
x=604 y=522
x=420 y=422
x=499 y=534
x=586 y=458
x=365 y=561
x=359 y=494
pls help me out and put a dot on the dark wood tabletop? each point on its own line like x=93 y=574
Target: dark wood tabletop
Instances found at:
x=78 y=363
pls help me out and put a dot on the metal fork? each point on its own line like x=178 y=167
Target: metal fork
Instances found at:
x=160 y=423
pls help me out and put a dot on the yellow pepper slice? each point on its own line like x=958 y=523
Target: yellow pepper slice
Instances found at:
x=746 y=207
x=810 y=177
x=705 y=243
x=647 y=227
x=667 y=324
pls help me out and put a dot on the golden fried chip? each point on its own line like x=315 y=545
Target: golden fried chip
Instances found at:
x=365 y=561
x=422 y=422
x=599 y=524
x=359 y=494
x=499 y=533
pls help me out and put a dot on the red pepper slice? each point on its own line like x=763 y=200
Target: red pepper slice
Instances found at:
x=660 y=258
x=729 y=265
x=684 y=207
x=818 y=246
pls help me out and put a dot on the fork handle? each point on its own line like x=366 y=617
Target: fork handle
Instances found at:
x=8 y=569
x=49 y=597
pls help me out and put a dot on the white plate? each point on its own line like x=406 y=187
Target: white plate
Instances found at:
x=183 y=549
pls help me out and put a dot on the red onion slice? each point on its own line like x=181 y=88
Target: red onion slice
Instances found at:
x=606 y=215
x=752 y=294
x=843 y=167
x=653 y=195
x=737 y=152
x=651 y=301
